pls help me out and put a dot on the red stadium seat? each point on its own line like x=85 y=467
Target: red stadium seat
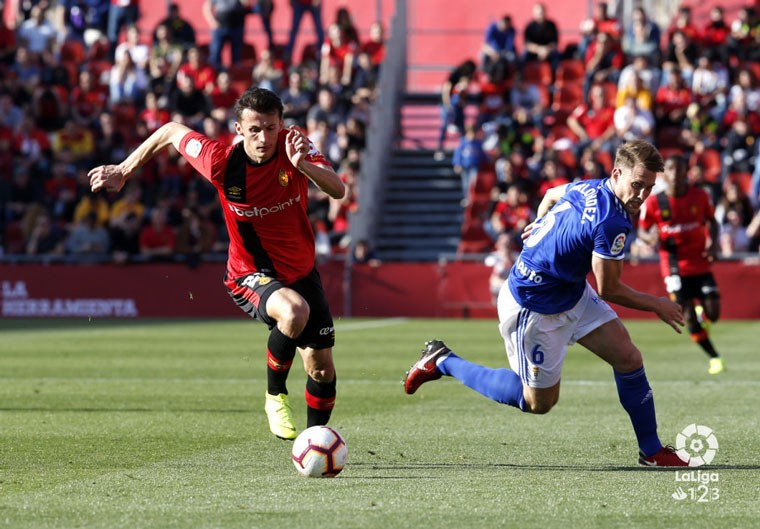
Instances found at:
x=711 y=163
x=571 y=71
x=539 y=73
x=743 y=180
x=568 y=97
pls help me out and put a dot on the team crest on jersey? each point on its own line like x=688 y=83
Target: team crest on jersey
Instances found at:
x=193 y=148
x=618 y=244
x=283 y=178
x=264 y=280
x=234 y=192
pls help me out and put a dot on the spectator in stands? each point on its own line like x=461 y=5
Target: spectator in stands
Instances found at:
x=642 y=36
x=345 y=22
x=363 y=253
x=83 y=20
x=36 y=33
x=153 y=114
x=61 y=191
x=180 y=32
x=7 y=43
x=454 y=94
x=682 y=53
x=157 y=239
x=633 y=121
x=601 y=22
x=212 y=128
x=226 y=18
x=715 y=34
x=24 y=195
x=710 y=84
x=541 y=38
x=45 y=238
x=604 y=59
x=375 y=45
x=188 y=104
x=197 y=69
x=338 y=52
x=325 y=109
x=26 y=70
x=121 y=14
x=683 y=23
x=268 y=72
x=494 y=96
x=499 y=44
x=734 y=199
x=126 y=82
x=31 y=145
x=739 y=152
x=648 y=72
x=88 y=240
x=671 y=101
x=11 y=114
x=125 y=238
x=593 y=123
x=635 y=89
x=195 y=237
x=265 y=8
x=222 y=97
x=74 y=138
x=130 y=203
x=746 y=83
x=526 y=102
x=90 y=203
x=110 y=144
x=743 y=31
x=510 y=214
x=87 y=100
x=301 y=7
x=295 y=100
x=468 y=158
x=500 y=261
x=140 y=52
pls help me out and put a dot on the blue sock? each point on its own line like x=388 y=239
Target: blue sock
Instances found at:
x=636 y=398
x=501 y=385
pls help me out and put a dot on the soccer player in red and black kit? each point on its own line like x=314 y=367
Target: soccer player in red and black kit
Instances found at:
x=262 y=183
x=683 y=220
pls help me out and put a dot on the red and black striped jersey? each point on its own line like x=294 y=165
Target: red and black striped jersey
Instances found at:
x=264 y=206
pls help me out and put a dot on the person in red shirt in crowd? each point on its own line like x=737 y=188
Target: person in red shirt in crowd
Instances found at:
x=510 y=214
x=157 y=238
x=223 y=96
x=197 y=69
x=153 y=115
x=375 y=46
x=87 y=100
x=682 y=220
x=672 y=101
x=716 y=32
x=593 y=122
x=338 y=52
x=600 y=22
x=262 y=183
x=683 y=23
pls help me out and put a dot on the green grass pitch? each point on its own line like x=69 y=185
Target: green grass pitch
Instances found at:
x=160 y=424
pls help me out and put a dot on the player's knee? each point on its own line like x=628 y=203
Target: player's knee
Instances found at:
x=629 y=359
x=322 y=375
x=293 y=316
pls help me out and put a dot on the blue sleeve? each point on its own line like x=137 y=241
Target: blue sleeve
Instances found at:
x=610 y=239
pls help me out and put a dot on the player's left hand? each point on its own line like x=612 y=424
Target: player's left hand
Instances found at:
x=296 y=146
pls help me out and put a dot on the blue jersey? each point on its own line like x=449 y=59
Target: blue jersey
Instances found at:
x=549 y=276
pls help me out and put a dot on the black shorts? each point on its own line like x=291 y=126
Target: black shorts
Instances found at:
x=252 y=292
x=696 y=287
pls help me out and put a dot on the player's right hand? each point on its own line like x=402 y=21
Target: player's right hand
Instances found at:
x=108 y=177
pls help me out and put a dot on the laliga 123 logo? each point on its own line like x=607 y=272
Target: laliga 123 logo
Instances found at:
x=696 y=444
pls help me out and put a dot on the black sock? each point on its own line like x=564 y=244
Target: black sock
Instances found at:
x=281 y=350
x=320 y=399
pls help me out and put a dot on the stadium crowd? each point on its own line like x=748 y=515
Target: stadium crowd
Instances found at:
x=547 y=116
x=82 y=86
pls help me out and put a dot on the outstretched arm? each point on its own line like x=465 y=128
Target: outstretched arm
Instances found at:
x=113 y=177
x=611 y=288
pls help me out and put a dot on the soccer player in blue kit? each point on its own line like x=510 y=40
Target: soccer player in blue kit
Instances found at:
x=547 y=303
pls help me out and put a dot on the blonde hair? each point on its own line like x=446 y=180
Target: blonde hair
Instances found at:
x=639 y=152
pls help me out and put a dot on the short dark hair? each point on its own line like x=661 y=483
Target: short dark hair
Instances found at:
x=259 y=100
x=639 y=152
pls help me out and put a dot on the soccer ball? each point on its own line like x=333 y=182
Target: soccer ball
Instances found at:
x=319 y=452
